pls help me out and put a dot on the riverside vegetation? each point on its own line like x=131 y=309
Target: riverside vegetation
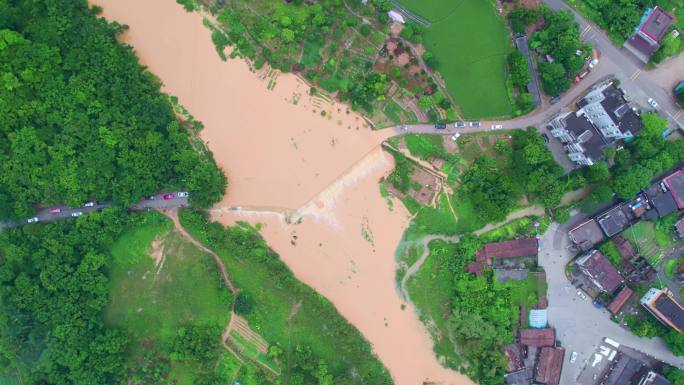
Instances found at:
x=84 y=120
x=348 y=49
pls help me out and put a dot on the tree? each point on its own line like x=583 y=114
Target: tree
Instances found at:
x=518 y=70
x=553 y=78
x=597 y=172
x=522 y=17
x=430 y=59
x=424 y=103
x=650 y=140
x=630 y=181
x=680 y=95
x=675 y=342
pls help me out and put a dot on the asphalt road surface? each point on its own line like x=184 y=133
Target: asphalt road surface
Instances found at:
x=55 y=213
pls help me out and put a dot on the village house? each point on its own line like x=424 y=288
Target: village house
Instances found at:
x=549 y=365
x=598 y=269
x=603 y=117
x=663 y=306
x=537 y=337
x=653 y=26
x=490 y=253
x=620 y=300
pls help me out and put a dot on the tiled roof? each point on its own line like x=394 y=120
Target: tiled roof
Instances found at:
x=620 y=300
x=549 y=365
x=538 y=337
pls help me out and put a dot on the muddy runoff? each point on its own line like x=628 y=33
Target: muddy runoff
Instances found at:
x=310 y=178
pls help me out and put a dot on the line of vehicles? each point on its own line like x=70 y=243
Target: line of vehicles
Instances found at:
x=459 y=124
x=76 y=214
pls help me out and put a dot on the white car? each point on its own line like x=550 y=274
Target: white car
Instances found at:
x=183 y=194
x=497 y=126
x=581 y=294
x=653 y=103
x=77 y=214
x=455 y=136
x=573 y=357
x=89 y=204
x=33 y=220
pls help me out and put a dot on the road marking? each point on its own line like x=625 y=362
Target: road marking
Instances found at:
x=678 y=114
x=635 y=75
x=585 y=30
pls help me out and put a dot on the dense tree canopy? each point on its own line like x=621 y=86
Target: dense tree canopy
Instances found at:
x=82 y=119
x=560 y=39
x=53 y=287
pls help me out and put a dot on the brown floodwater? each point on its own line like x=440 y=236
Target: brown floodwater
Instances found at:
x=282 y=157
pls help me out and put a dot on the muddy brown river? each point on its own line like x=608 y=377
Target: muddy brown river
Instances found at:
x=283 y=158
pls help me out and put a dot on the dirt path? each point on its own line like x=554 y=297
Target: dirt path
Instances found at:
x=173 y=215
x=413 y=269
x=532 y=210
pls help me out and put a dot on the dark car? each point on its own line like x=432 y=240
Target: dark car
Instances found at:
x=555 y=100
x=546 y=138
x=440 y=126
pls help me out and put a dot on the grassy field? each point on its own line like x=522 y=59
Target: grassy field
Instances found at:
x=287 y=313
x=470 y=42
x=8 y=379
x=151 y=303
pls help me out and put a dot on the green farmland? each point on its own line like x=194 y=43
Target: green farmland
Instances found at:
x=470 y=41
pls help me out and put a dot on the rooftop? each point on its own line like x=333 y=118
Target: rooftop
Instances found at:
x=657 y=23
x=587 y=234
x=616 y=219
x=620 y=300
x=538 y=337
x=523 y=247
x=671 y=310
x=624 y=371
x=513 y=353
x=538 y=318
x=549 y=365
x=624 y=247
x=599 y=269
x=675 y=182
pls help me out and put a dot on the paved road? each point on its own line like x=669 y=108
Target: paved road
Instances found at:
x=580 y=327
x=54 y=213
x=638 y=83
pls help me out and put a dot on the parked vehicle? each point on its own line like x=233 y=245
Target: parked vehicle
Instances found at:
x=56 y=211
x=546 y=138
x=474 y=124
x=581 y=294
x=573 y=357
x=168 y=197
x=440 y=126
x=455 y=136
x=653 y=103
x=77 y=214
x=497 y=126
x=89 y=204
x=183 y=194
x=151 y=197
x=555 y=100
x=459 y=124
x=33 y=220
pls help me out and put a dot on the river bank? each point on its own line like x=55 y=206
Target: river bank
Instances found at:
x=282 y=156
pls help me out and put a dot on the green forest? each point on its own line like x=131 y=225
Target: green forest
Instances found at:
x=82 y=120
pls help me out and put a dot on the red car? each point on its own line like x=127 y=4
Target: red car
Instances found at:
x=168 y=197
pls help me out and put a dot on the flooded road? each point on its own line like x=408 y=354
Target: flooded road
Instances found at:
x=282 y=156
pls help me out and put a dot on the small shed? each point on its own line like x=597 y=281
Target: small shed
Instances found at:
x=538 y=318
x=396 y=17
